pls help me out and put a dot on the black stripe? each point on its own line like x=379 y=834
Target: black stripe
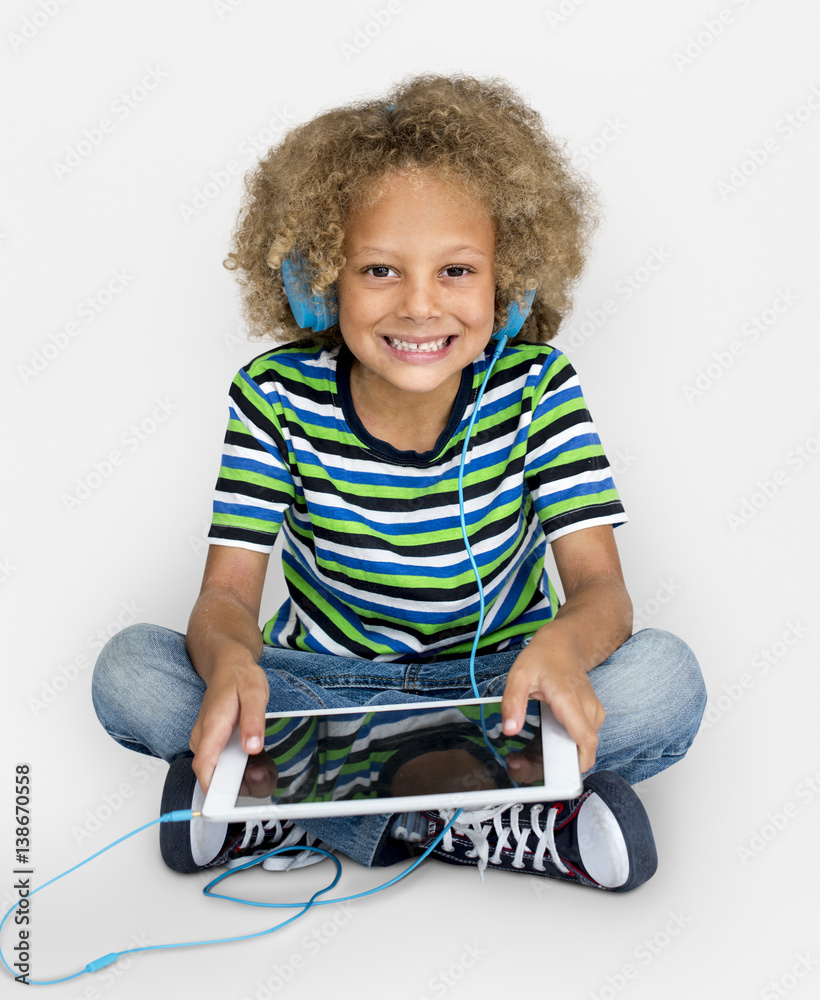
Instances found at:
x=234 y=534
x=584 y=514
x=555 y=473
x=264 y=493
x=259 y=419
x=407 y=500
x=366 y=542
x=558 y=377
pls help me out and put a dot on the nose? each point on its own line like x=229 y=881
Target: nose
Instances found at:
x=420 y=299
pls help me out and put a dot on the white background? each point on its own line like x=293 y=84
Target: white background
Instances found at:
x=686 y=128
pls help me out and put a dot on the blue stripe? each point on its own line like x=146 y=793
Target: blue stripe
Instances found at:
x=309 y=418
x=563 y=395
x=248 y=511
x=250 y=465
x=579 y=490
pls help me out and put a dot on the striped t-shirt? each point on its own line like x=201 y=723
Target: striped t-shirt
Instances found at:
x=373 y=552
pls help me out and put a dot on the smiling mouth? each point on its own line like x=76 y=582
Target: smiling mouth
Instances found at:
x=416 y=348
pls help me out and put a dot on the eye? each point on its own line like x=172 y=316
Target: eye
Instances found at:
x=378 y=270
x=457 y=270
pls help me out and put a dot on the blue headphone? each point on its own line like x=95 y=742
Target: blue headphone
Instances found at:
x=317 y=312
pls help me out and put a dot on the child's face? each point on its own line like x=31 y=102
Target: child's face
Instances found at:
x=417 y=295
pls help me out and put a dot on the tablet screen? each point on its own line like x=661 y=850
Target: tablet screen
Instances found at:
x=376 y=753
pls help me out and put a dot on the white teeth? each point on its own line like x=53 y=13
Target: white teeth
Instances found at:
x=404 y=345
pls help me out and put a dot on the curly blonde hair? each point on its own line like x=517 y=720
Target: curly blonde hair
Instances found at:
x=478 y=134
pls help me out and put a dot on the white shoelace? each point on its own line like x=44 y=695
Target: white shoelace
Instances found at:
x=257 y=830
x=469 y=825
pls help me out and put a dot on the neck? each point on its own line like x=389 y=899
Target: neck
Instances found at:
x=408 y=421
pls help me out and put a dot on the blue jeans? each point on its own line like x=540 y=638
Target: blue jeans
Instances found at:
x=147 y=695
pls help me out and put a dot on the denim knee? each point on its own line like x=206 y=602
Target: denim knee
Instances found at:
x=145 y=691
x=111 y=660
x=681 y=693
x=117 y=664
x=653 y=692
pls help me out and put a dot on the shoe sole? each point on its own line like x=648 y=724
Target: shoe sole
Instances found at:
x=628 y=812
x=187 y=847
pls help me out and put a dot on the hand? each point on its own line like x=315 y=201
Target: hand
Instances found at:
x=234 y=696
x=551 y=669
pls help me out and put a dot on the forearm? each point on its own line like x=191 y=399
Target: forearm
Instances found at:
x=593 y=622
x=225 y=646
x=222 y=634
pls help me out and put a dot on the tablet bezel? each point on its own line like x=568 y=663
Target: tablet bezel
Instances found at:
x=562 y=753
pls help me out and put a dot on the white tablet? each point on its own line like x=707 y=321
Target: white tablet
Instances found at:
x=394 y=759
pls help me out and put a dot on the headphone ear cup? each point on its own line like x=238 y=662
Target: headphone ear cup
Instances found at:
x=311 y=312
x=515 y=317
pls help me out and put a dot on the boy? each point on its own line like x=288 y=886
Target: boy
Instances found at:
x=417 y=222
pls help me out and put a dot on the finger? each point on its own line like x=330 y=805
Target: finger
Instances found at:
x=514 y=702
x=193 y=742
x=211 y=744
x=570 y=712
x=586 y=753
x=253 y=701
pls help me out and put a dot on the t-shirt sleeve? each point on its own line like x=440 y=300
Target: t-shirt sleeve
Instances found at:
x=568 y=474
x=255 y=486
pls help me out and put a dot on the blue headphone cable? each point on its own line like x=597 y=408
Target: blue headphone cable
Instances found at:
x=186 y=815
